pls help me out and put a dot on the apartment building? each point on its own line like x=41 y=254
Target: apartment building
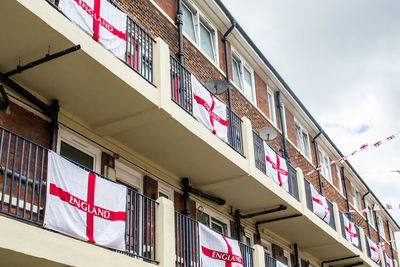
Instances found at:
x=130 y=119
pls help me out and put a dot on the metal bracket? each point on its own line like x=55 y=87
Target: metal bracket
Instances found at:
x=5 y=102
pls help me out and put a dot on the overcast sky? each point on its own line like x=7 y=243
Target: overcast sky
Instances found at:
x=342 y=59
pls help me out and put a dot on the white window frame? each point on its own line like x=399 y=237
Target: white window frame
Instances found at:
x=250 y=235
x=286 y=254
x=272 y=107
x=198 y=18
x=166 y=190
x=242 y=65
x=214 y=215
x=370 y=214
x=284 y=120
x=129 y=176
x=326 y=168
x=381 y=226
x=339 y=177
x=267 y=247
x=301 y=146
x=82 y=145
x=356 y=197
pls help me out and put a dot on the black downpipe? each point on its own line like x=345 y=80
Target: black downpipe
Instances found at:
x=317 y=160
x=365 y=206
x=296 y=255
x=238 y=225
x=281 y=111
x=228 y=80
x=347 y=194
x=54 y=110
x=179 y=22
x=186 y=204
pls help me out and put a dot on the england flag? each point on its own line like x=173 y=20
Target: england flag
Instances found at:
x=276 y=167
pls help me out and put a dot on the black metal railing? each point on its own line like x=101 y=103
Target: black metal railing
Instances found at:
x=23 y=176
x=140 y=226
x=342 y=226
x=269 y=261
x=181 y=94
x=23 y=166
x=188 y=243
x=259 y=156
x=309 y=201
x=139 y=46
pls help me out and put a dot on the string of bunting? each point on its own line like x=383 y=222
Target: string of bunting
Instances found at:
x=376 y=208
x=362 y=148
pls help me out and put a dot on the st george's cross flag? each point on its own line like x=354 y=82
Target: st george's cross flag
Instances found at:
x=209 y=110
x=82 y=205
x=101 y=20
x=276 y=167
x=389 y=261
x=374 y=251
x=320 y=205
x=350 y=231
x=217 y=250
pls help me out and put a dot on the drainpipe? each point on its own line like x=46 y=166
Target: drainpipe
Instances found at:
x=179 y=22
x=377 y=227
x=228 y=80
x=317 y=160
x=365 y=206
x=346 y=193
x=296 y=255
x=390 y=241
x=281 y=111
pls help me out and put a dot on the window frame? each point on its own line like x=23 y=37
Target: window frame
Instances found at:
x=380 y=225
x=129 y=176
x=284 y=122
x=356 y=197
x=80 y=144
x=286 y=254
x=339 y=177
x=200 y=18
x=244 y=65
x=250 y=235
x=370 y=215
x=271 y=107
x=302 y=146
x=214 y=215
x=326 y=168
x=165 y=190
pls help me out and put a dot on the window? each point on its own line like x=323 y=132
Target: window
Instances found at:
x=356 y=198
x=213 y=220
x=128 y=176
x=286 y=255
x=339 y=177
x=78 y=151
x=267 y=248
x=303 y=142
x=243 y=76
x=200 y=30
x=271 y=105
x=248 y=238
x=165 y=191
x=380 y=226
x=326 y=168
x=370 y=215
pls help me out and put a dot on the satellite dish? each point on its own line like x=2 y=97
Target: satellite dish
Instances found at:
x=217 y=87
x=267 y=134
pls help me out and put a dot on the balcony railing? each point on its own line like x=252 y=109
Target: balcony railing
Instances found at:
x=344 y=231
x=139 y=46
x=310 y=204
x=23 y=175
x=181 y=94
x=259 y=155
x=188 y=244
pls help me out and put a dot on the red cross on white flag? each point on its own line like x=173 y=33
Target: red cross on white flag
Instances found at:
x=82 y=205
x=374 y=251
x=208 y=110
x=389 y=261
x=216 y=250
x=350 y=231
x=276 y=167
x=320 y=205
x=102 y=20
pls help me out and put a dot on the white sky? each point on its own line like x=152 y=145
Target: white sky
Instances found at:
x=342 y=59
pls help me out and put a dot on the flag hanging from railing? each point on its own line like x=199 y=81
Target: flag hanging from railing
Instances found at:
x=350 y=231
x=389 y=261
x=101 y=19
x=374 y=251
x=276 y=167
x=208 y=110
x=320 y=205
x=82 y=205
x=280 y=264
x=217 y=250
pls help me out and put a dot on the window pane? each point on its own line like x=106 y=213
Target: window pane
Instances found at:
x=236 y=72
x=339 y=176
x=248 y=85
x=76 y=155
x=206 y=43
x=271 y=107
x=203 y=218
x=188 y=23
x=306 y=145
x=160 y=194
x=219 y=226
